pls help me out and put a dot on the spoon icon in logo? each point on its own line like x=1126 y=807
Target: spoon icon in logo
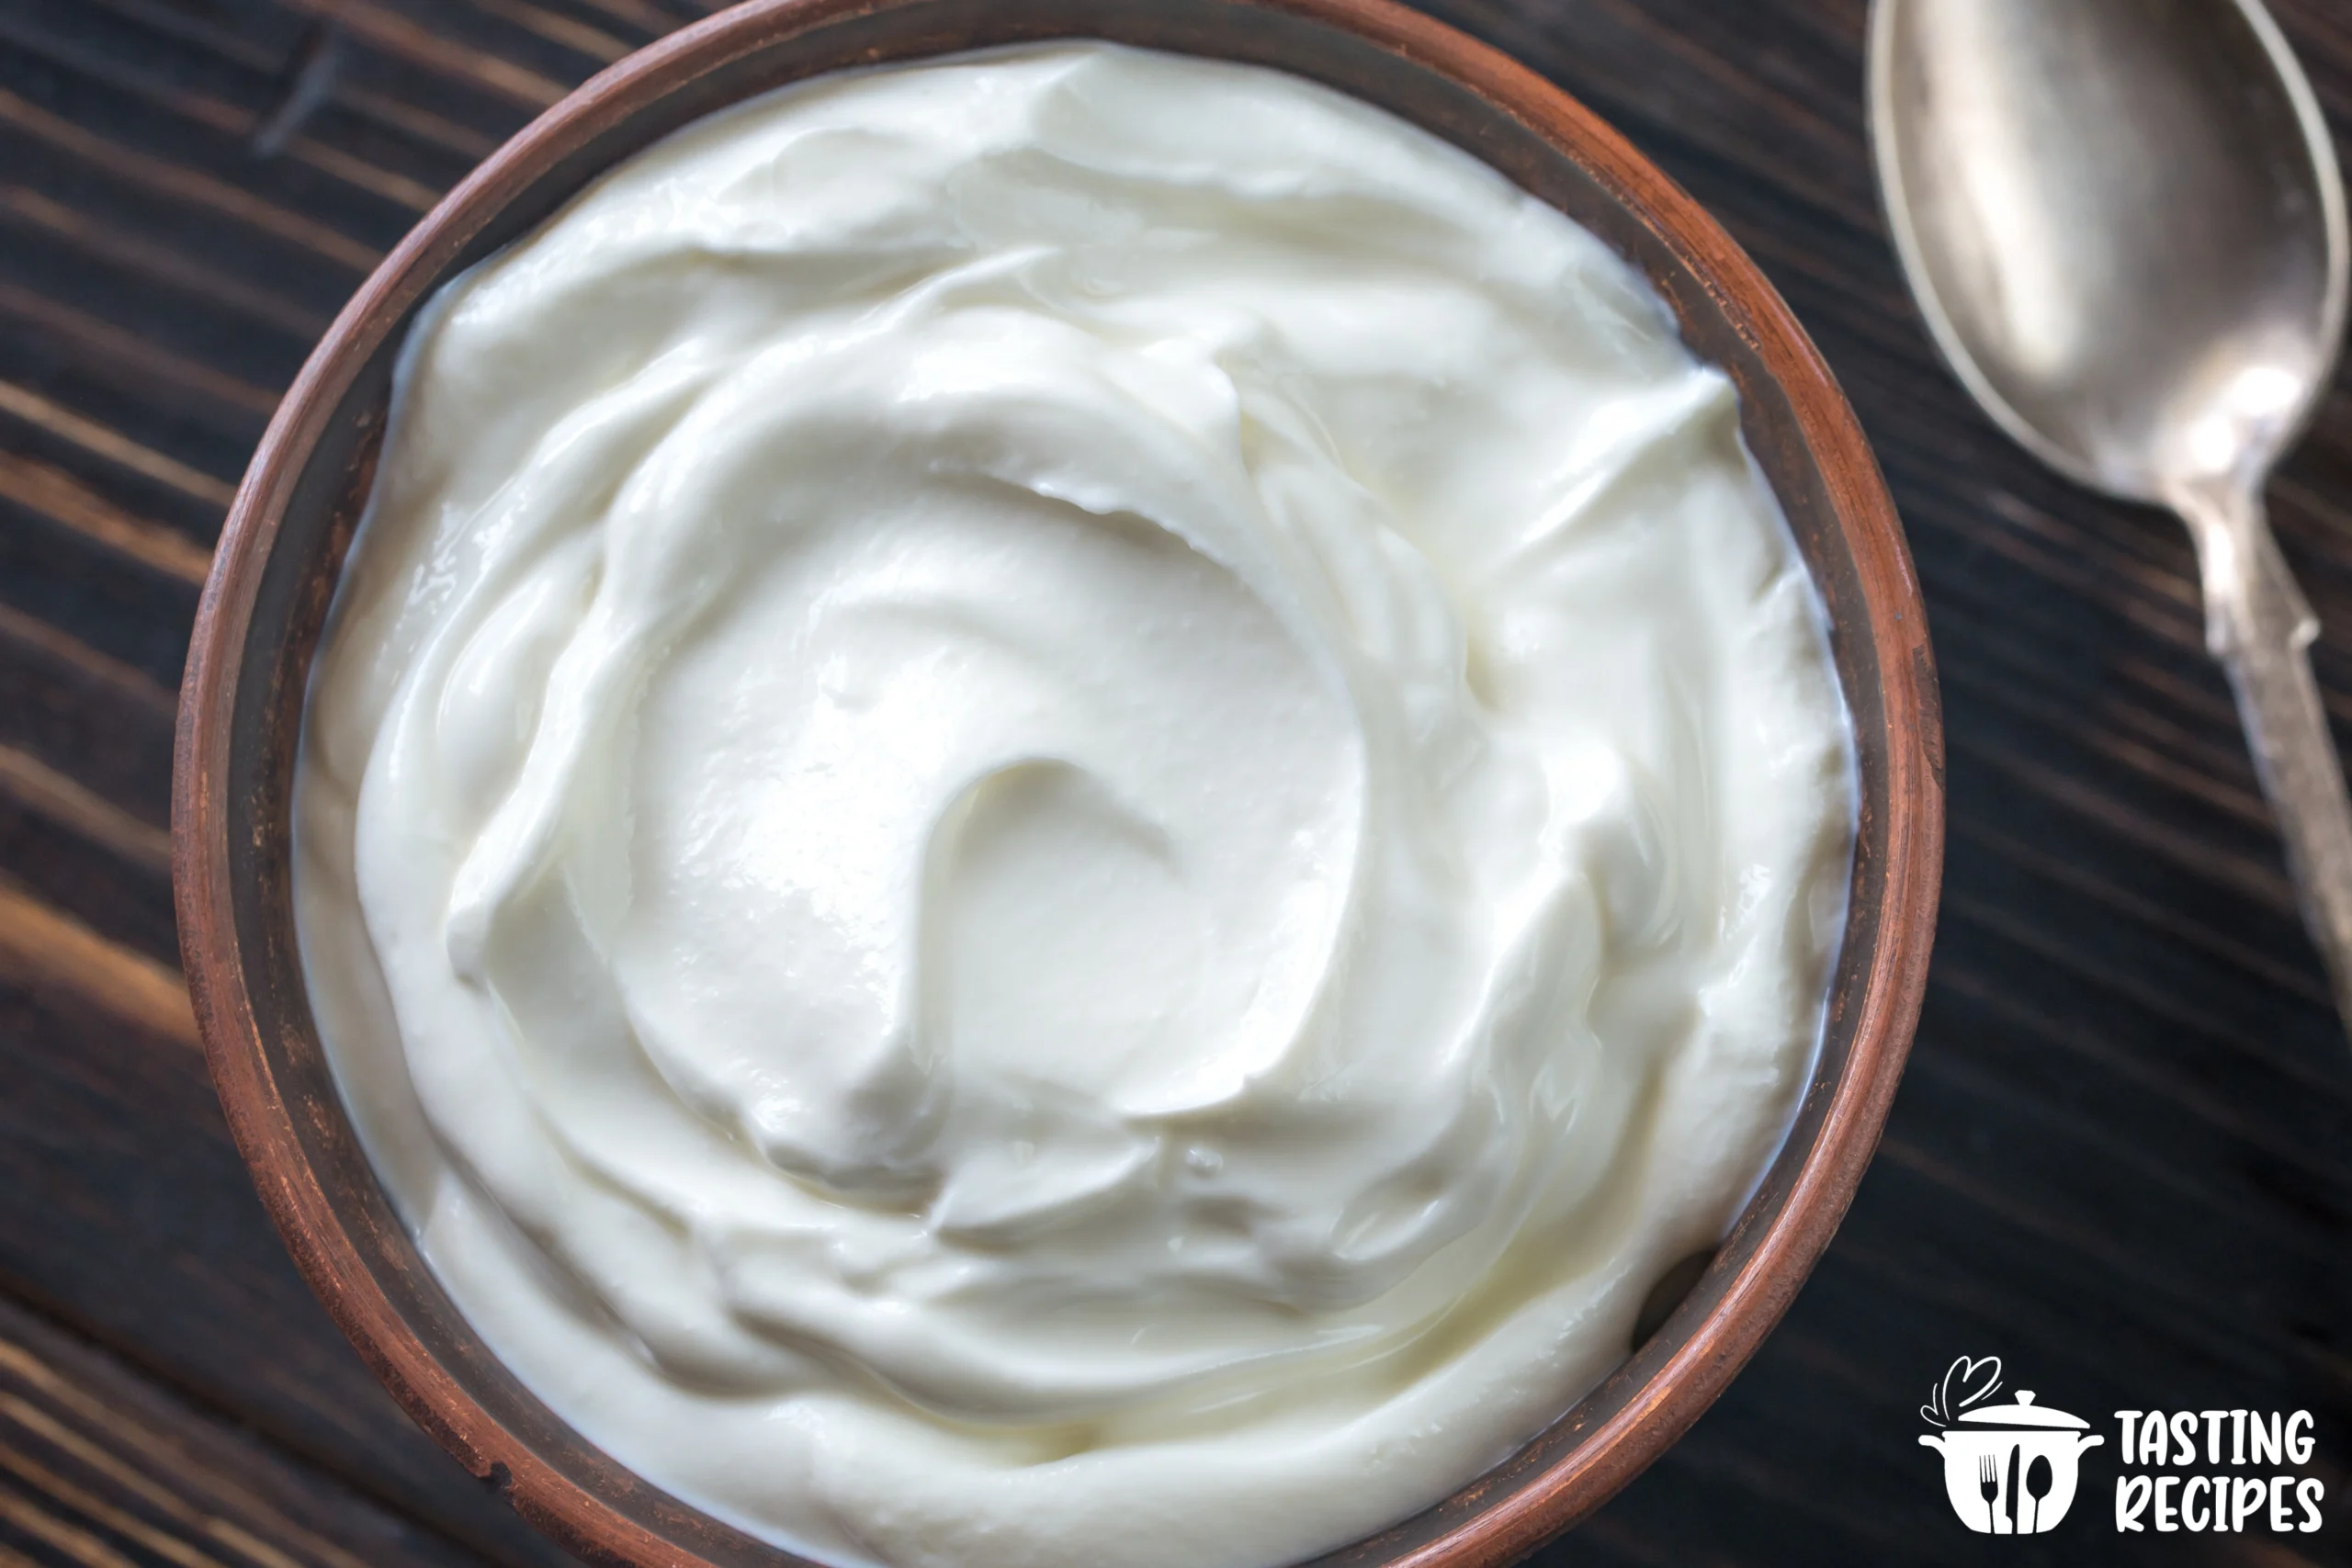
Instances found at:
x=2039 y=1479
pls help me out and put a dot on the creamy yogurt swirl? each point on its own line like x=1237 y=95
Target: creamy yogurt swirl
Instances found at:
x=1064 y=807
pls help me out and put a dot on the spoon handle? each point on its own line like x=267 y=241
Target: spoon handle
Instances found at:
x=2259 y=626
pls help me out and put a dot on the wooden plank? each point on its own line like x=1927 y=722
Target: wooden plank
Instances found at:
x=556 y=27
x=126 y=1215
x=120 y=1469
x=72 y=505
x=425 y=46
x=163 y=179
x=91 y=435
x=650 y=20
x=48 y=952
x=205 y=286
x=190 y=35
x=100 y=341
x=102 y=722
x=96 y=63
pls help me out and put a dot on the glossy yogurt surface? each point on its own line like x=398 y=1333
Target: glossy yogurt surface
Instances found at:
x=1064 y=808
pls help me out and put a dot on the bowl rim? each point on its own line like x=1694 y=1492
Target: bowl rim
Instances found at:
x=1743 y=1306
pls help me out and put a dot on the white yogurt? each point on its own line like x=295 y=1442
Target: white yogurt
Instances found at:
x=1063 y=809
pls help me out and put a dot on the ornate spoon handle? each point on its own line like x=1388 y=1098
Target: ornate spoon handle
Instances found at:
x=2258 y=624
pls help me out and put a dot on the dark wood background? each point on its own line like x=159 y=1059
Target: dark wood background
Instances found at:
x=2121 y=1160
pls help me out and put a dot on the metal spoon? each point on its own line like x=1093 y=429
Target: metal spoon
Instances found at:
x=2123 y=222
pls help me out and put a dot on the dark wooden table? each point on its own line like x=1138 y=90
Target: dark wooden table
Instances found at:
x=2121 y=1160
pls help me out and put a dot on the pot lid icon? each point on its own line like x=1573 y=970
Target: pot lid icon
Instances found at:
x=2026 y=1413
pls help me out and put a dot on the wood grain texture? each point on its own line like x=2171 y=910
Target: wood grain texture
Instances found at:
x=97 y=1464
x=2123 y=1157
x=126 y=1215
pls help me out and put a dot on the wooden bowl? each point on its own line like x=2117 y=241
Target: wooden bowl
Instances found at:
x=283 y=547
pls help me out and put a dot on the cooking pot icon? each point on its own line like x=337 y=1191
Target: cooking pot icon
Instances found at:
x=2009 y=1469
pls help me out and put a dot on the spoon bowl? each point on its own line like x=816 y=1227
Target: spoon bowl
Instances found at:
x=2124 y=224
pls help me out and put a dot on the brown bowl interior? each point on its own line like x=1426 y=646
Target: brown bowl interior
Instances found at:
x=292 y=522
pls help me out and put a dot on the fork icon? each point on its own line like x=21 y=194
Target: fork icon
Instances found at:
x=1988 y=1486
